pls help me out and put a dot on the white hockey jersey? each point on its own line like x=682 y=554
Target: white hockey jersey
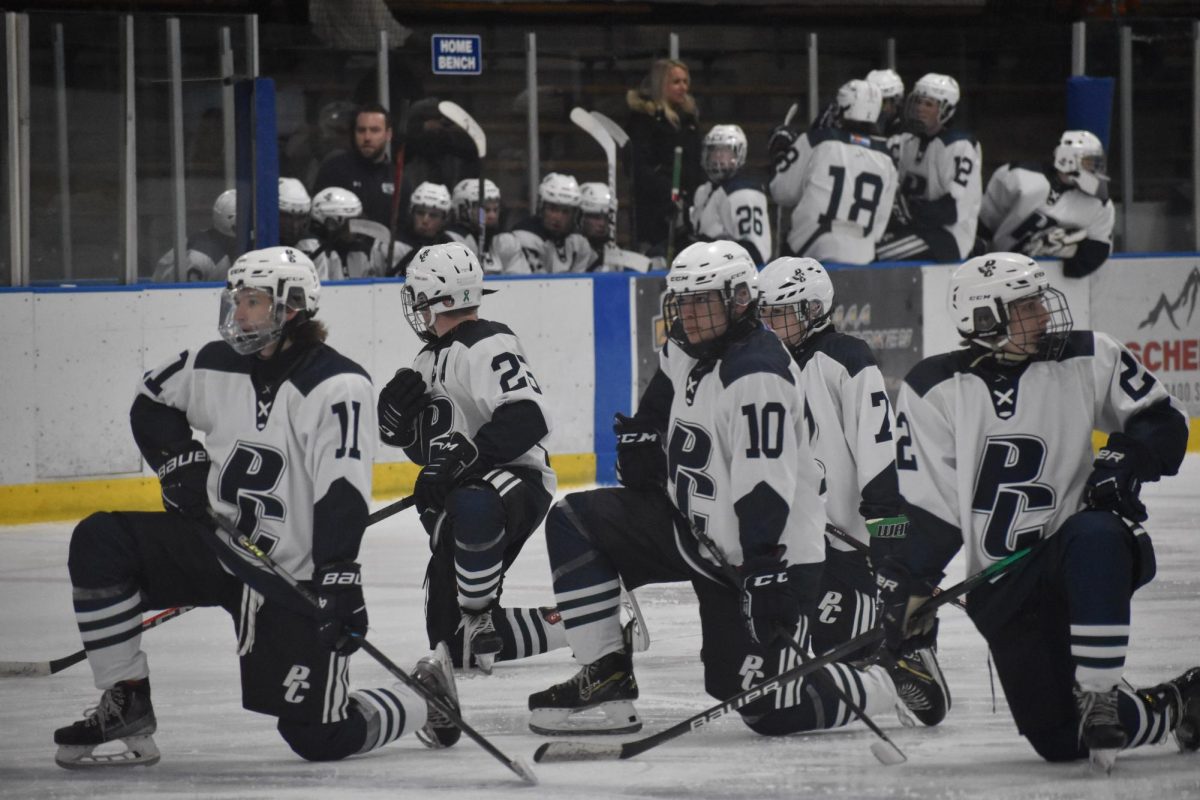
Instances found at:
x=851 y=422
x=361 y=257
x=472 y=372
x=544 y=253
x=943 y=166
x=274 y=455
x=504 y=255
x=840 y=187
x=1021 y=202
x=208 y=258
x=736 y=211
x=1000 y=456
x=740 y=463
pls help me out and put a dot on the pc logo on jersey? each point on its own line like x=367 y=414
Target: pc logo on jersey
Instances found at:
x=248 y=480
x=296 y=682
x=1006 y=488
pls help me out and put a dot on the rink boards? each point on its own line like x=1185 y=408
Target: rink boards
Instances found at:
x=71 y=358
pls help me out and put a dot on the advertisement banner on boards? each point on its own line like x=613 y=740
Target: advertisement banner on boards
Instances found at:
x=1150 y=304
x=649 y=331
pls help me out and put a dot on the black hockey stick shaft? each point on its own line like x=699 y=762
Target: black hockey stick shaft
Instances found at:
x=390 y=510
x=896 y=755
x=10 y=669
x=239 y=541
x=838 y=533
x=590 y=751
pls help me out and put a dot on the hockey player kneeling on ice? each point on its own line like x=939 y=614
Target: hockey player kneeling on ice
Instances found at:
x=852 y=426
x=994 y=454
x=738 y=464
x=1058 y=210
x=287 y=457
x=471 y=411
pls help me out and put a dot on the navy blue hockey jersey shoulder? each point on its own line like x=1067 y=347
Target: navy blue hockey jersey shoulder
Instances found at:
x=742 y=181
x=324 y=364
x=929 y=372
x=220 y=357
x=761 y=351
x=851 y=352
x=470 y=333
x=949 y=136
x=1080 y=344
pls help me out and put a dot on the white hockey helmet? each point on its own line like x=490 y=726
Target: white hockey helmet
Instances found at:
x=1080 y=157
x=795 y=297
x=859 y=101
x=465 y=197
x=559 y=189
x=888 y=81
x=723 y=152
x=981 y=299
x=293 y=197
x=441 y=277
x=285 y=275
x=334 y=207
x=942 y=89
x=701 y=269
x=224 y=212
x=430 y=195
x=595 y=198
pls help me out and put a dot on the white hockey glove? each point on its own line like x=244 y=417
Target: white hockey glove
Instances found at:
x=1056 y=242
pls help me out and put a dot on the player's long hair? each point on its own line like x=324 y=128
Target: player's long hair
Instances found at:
x=308 y=333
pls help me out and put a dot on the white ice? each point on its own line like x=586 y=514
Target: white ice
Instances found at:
x=211 y=748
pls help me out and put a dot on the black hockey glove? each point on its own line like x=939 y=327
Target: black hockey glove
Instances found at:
x=400 y=404
x=781 y=140
x=342 y=611
x=641 y=460
x=905 y=628
x=184 y=481
x=449 y=464
x=769 y=606
x=1114 y=483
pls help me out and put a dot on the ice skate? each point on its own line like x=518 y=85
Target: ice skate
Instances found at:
x=606 y=685
x=1100 y=728
x=484 y=643
x=124 y=714
x=920 y=684
x=436 y=674
x=1181 y=699
x=634 y=632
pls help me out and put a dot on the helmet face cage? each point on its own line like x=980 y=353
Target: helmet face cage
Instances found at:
x=723 y=152
x=464 y=200
x=224 y=212
x=267 y=283
x=440 y=278
x=712 y=294
x=795 y=298
x=943 y=90
x=1037 y=326
x=333 y=208
x=1080 y=156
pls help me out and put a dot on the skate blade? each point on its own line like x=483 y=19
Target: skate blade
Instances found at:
x=139 y=751
x=619 y=716
x=484 y=662
x=1103 y=759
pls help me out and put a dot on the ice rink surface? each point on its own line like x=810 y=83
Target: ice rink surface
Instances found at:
x=211 y=748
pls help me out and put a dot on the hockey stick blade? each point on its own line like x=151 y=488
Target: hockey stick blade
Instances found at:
x=596 y=751
x=33 y=669
x=458 y=115
x=593 y=128
x=239 y=541
x=614 y=130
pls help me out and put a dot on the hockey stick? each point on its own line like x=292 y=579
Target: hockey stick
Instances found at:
x=838 y=533
x=596 y=751
x=885 y=750
x=395 y=221
x=239 y=542
x=458 y=115
x=775 y=243
x=614 y=130
x=15 y=669
x=594 y=128
x=676 y=176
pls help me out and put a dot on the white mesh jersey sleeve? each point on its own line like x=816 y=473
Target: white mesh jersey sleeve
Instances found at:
x=959 y=165
x=170 y=382
x=1123 y=386
x=336 y=426
x=926 y=454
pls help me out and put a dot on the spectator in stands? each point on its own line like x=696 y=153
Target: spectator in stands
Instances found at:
x=209 y=252
x=435 y=149
x=937 y=205
x=367 y=170
x=1058 y=210
x=663 y=116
